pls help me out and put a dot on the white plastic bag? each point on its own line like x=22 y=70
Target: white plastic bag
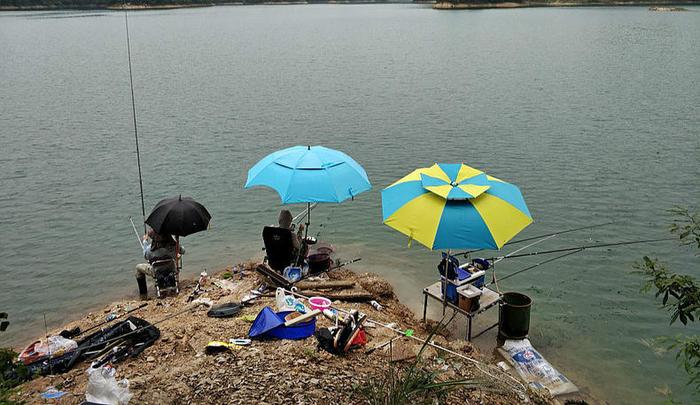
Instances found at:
x=288 y=302
x=103 y=388
x=534 y=369
x=56 y=347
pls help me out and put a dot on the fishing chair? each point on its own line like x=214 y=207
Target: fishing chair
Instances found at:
x=167 y=275
x=279 y=248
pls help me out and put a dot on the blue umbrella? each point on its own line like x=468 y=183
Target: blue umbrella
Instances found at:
x=308 y=174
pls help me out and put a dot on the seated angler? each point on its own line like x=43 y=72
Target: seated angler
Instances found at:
x=160 y=252
x=285 y=221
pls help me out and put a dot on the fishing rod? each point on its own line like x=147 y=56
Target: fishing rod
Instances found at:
x=78 y=332
x=532 y=267
x=467 y=252
x=142 y=328
x=529 y=245
x=136 y=232
x=133 y=111
x=303 y=213
x=544 y=252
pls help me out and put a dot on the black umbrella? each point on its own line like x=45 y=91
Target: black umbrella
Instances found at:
x=178 y=216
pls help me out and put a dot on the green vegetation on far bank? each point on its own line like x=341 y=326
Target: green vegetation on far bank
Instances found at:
x=438 y=4
x=145 y=4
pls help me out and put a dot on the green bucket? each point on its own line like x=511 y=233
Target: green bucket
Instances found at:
x=514 y=316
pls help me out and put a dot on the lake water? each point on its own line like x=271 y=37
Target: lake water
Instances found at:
x=593 y=112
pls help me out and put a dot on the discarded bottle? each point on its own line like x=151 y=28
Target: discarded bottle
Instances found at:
x=110 y=317
x=238 y=271
x=376 y=305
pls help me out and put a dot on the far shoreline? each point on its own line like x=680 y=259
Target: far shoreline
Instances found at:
x=448 y=5
x=437 y=5
x=144 y=7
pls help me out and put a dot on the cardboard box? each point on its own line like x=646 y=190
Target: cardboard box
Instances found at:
x=468 y=298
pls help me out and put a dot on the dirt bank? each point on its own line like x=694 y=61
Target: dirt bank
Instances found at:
x=176 y=371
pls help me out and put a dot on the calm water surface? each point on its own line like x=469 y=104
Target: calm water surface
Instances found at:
x=593 y=112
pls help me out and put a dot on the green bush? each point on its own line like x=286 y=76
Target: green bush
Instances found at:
x=12 y=374
x=680 y=295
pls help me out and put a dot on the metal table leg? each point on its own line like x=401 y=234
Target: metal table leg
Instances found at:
x=425 y=305
x=469 y=328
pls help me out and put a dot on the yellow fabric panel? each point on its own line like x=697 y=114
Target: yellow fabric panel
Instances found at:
x=473 y=189
x=466 y=172
x=503 y=220
x=442 y=191
x=413 y=176
x=419 y=218
x=491 y=178
x=436 y=171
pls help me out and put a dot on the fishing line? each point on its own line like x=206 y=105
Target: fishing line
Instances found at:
x=133 y=110
x=544 y=252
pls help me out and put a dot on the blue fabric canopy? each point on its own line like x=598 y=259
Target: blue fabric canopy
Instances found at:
x=307 y=174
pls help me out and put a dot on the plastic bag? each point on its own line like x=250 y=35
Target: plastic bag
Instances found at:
x=56 y=347
x=292 y=274
x=288 y=302
x=534 y=369
x=103 y=388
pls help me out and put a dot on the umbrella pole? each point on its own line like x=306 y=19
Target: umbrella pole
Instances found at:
x=308 y=220
x=177 y=252
x=444 y=285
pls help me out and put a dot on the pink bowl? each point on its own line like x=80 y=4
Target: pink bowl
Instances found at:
x=319 y=303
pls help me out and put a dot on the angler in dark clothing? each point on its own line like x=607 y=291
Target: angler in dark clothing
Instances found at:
x=160 y=252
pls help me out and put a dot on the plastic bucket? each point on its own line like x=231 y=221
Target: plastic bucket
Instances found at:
x=514 y=316
x=319 y=262
x=320 y=303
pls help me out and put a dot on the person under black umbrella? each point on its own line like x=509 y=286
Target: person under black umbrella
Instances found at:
x=176 y=216
x=161 y=252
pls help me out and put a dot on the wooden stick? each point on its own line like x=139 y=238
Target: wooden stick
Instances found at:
x=349 y=296
x=302 y=318
x=323 y=285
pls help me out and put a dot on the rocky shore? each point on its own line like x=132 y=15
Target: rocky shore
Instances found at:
x=175 y=369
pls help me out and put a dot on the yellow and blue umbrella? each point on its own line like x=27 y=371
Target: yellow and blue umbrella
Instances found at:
x=455 y=206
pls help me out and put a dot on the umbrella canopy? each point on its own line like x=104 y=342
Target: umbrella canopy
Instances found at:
x=178 y=216
x=307 y=174
x=454 y=206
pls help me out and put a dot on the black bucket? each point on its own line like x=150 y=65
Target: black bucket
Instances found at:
x=514 y=316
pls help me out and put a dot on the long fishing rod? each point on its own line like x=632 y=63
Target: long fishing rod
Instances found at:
x=544 y=252
x=533 y=266
x=529 y=245
x=133 y=111
x=467 y=252
x=74 y=333
x=142 y=328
